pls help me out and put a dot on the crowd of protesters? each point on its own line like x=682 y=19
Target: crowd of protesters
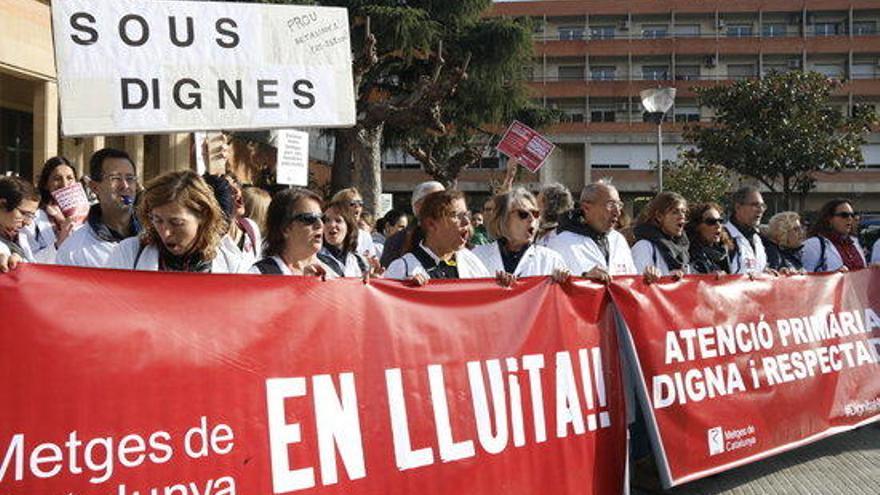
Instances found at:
x=184 y=222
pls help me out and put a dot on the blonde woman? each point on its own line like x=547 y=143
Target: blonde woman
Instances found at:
x=783 y=242
x=183 y=227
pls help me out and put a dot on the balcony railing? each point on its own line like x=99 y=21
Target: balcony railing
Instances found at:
x=640 y=77
x=711 y=35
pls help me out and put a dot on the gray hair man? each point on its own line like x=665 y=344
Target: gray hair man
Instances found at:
x=587 y=241
x=747 y=208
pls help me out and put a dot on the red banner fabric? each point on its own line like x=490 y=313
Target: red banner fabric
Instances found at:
x=124 y=383
x=737 y=370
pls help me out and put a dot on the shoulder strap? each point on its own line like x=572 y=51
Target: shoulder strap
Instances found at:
x=267 y=266
x=332 y=263
x=361 y=263
x=823 y=263
x=424 y=258
x=137 y=257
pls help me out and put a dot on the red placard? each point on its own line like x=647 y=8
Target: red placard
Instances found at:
x=526 y=145
x=737 y=370
x=270 y=384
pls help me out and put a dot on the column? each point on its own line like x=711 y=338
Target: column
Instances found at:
x=134 y=146
x=45 y=124
x=174 y=152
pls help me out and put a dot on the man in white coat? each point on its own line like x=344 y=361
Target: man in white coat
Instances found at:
x=587 y=241
x=748 y=254
x=114 y=180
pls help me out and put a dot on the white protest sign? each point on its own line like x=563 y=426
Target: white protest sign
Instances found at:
x=292 y=167
x=386 y=202
x=134 y=67
x=72 y=201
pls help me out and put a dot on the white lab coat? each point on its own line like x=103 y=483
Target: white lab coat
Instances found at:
x=84 y=248
x=537 y=261
x=253 y=249
x=365 y=245
x=469 y=266
x=875 y=254
x=646 y=254
x=581 y=253
x=125 y=257
x=350 y=266
x=811 y=255
x=40 y=238
x=746 y=259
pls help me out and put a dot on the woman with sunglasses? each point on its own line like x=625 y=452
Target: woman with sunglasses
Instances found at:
x=183 y=228
x=294 y=236
x=830 y=246
x=516 y=219
x=445 y=221
x=662 y=246
x=355 y=204
x=710 y=245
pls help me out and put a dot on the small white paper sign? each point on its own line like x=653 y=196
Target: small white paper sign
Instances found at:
x=386 y=202
x=293 y=158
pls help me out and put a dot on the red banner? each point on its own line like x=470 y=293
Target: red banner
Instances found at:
x=736 y=370
x=124 y=383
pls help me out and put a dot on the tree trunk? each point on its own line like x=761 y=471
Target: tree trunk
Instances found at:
x=341 y=172
x=367 y=157
x=786 y=193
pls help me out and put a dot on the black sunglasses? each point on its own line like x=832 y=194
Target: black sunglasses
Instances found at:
x=307 y=218
x=356 y=202
x=525 y=215
x=845 y=214
x=713 y=221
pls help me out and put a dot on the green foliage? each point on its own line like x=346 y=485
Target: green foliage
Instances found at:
x=779 y=130
x=697 y=182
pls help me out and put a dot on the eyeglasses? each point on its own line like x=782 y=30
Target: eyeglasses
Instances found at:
x=30 y=215
x=526 y=214
x=461 y=217
x=713 y=221
x=307 y=218
x=845 y=214
x=117 y=178
x=611 y=205
x=355 y=203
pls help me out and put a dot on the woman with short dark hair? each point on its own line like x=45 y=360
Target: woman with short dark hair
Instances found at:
x=183 y=228
x=18 y=208
x=830 y=246
x=661 y=241
x=294 y=236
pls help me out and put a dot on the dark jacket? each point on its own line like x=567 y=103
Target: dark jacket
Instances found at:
x=779 y=257
x=709 y=259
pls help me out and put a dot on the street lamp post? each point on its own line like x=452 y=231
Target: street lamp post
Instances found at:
x=658 y=101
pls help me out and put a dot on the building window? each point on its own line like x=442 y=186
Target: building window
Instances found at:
x=864 y=28
x=602 y=32
x=826 y=29
x=833 y=71
x=603 y=115
x=603 y=73
x=687 y=30
x=774 y=30
x=655 y=31
x=778 y=68
x=609 y=165
x=571 y=72
x=16 y=142
x=739 y=30
x=687 y=72
x=864 y=71
x=571 y=33
x=655 y=72
x=740 y=71
x=488 y=162
x=687 y=114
